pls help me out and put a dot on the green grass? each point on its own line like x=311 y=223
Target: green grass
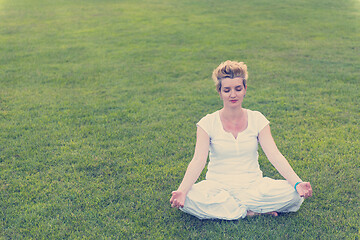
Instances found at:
x=99 y=101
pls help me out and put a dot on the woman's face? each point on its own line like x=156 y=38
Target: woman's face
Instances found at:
x=232 y=92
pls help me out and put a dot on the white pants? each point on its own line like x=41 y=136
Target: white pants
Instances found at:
x=212 y=200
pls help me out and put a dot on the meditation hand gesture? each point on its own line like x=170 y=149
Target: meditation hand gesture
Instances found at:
x=304 y=189
x=177 y=199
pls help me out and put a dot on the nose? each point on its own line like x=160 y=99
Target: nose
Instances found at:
x=233 y=93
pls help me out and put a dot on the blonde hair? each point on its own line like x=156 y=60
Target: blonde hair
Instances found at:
x=229 y=69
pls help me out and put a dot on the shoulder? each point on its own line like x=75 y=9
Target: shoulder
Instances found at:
x=210 y=116
x=255 y=114
x=258 y=120
x=208 y=123
x=209 y=119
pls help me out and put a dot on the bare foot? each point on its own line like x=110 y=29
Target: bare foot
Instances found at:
x=274 y=214
x=251 y=214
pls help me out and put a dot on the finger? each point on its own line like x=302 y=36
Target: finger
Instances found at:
x=176 y=202
x=302 y=194
x=309 y=189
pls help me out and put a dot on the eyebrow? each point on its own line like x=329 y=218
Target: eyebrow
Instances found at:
x=235 y=87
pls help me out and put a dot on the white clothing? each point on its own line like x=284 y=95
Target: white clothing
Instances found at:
x=234 y=182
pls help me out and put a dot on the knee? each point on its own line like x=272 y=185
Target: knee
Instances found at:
x=296 y=202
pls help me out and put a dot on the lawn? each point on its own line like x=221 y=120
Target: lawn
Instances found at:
x=99 y=101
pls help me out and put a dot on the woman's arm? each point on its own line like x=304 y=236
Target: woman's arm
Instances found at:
x=194 y=169
x=281 y=164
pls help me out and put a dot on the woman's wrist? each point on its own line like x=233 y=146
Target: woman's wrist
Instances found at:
x=296 y=185
x=183 y=189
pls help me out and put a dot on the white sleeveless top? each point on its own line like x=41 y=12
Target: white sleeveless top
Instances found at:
x=233 y=161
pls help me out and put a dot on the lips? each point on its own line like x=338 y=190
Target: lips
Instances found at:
x=233 y=101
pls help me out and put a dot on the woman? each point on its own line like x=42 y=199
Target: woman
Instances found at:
x=234 y=187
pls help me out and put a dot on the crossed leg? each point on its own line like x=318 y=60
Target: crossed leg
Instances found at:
x=252 y=214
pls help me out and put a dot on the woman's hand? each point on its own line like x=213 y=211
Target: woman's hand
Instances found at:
x=177 y=199
x=304 y=189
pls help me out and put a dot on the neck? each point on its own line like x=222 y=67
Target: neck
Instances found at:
x=233 y=113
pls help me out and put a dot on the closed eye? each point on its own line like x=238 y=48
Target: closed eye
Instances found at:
x=226 y=90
